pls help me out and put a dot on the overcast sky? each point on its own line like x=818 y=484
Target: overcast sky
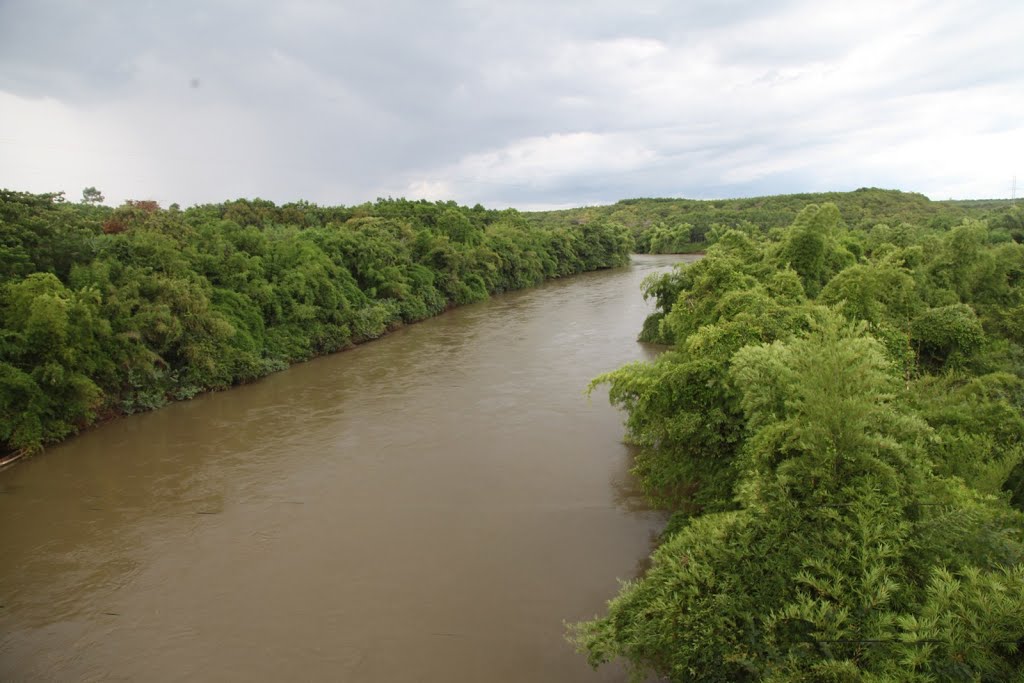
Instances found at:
x=507 y=103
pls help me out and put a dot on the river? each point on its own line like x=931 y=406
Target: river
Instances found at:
x=431 y=506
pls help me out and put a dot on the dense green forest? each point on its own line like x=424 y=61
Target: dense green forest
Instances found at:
x=109 y=311
x=676 y=226
x=837 y=428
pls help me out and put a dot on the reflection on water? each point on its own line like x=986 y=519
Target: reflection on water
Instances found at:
x=430 y=506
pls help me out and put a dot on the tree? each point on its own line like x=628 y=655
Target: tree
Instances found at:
x=53 y=345
x=91 y=195
x=848 y=560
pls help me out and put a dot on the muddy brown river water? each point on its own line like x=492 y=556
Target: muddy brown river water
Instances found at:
x=432 y=506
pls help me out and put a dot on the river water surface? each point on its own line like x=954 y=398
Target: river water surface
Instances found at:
x=432 y=506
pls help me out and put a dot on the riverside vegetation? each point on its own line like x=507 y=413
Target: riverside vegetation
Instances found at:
x=836 y=425
x=676 y=226
x=111 y=311
x=837 y=429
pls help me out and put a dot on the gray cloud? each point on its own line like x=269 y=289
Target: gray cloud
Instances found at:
x=523 y=104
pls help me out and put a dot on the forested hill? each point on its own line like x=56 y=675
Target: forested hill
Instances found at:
x=688 y=225
x=108 y=311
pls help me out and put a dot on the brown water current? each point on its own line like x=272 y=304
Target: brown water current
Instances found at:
x=432 y=506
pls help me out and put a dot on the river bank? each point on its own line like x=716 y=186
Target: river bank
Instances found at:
x=447 y=493
x=9 y=459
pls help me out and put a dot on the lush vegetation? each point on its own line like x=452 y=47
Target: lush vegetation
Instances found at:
x=109 y=311
x=837 y=429
x=675 y=226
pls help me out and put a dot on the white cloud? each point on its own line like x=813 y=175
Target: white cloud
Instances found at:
x=433 y=190
x=50 y=146
x=555 y=156
x=537 y=162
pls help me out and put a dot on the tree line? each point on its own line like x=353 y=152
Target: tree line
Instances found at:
x=679 y=226
x=837 y=428
x=107 y=311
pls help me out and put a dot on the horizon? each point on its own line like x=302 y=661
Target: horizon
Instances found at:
x=73 y=200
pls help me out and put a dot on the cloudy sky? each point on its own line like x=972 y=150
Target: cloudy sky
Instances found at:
x=509 y=103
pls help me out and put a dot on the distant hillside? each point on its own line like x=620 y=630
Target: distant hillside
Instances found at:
x=687 y=225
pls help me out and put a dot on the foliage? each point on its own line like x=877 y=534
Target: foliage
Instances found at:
x=91 y=195
x=689 y=225
x=117 y=310
x=838 y=429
